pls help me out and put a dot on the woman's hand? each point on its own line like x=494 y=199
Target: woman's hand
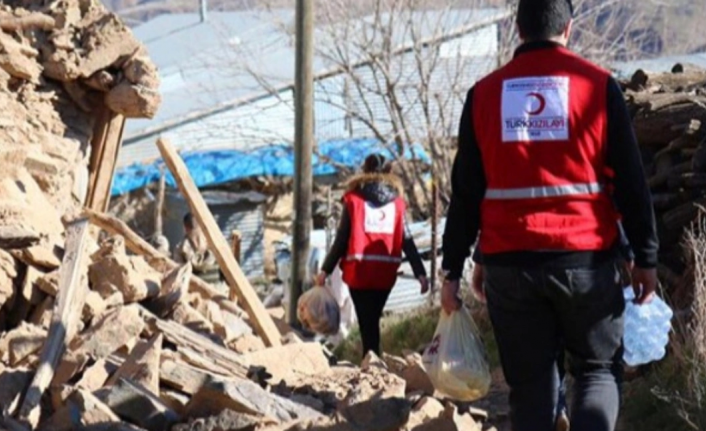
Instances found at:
x=320 y=279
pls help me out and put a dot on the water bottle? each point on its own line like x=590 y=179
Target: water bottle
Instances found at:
x=647 y=330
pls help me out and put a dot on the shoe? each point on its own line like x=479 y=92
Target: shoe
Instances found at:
x=562 y=422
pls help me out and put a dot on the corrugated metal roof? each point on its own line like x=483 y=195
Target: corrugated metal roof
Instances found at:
x=202 y=67
x=662 y=64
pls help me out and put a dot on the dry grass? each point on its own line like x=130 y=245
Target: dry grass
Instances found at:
x=673 y=395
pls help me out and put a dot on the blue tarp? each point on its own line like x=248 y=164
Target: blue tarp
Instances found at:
x=217 y=167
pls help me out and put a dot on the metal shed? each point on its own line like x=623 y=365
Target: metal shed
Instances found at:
x=233 y=211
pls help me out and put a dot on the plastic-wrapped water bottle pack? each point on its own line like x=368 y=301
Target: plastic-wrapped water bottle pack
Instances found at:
x=647 y=330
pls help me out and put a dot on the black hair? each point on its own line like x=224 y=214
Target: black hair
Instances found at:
x=376 y=164
x=189 y=220
x=543 y=19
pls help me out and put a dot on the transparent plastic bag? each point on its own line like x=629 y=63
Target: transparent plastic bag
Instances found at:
x=456 y=360
x=318 y=311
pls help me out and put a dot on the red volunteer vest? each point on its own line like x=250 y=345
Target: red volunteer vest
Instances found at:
x=375 y=245
x=544 y=155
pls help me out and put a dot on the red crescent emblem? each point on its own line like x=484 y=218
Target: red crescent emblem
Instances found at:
x=382 y=215
x=542 y=104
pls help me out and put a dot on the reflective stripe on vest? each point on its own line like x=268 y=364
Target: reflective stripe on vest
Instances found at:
x=544 y=192
x=373 y=258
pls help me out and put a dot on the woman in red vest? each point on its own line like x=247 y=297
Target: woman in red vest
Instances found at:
x=369 y=243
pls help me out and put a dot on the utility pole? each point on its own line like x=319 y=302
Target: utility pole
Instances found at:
x=303 y=148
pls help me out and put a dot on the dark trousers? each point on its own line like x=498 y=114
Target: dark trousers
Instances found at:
x=539 y=312
x=369 y=304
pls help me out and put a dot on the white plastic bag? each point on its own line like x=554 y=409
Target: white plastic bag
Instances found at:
x=456 y=360
x=340 y=292
x=318 y=311
x=647 y=329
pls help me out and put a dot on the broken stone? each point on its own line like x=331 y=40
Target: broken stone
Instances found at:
x=21 y=342
x=175 y=400
x=394 y=363
x=450 y=420
x=138 y=405
x=94 y=306
x=16 y=59
x=225 y=420
x=289 y=361
x=133 y=101
x=142 y=365
x=96 y=375
x=245 y=396
x=81 y=409
x=174 y=286
x=101 y=81
x=247 y=343
x=112 y=270
x=49 y=283
x=183 y=377
x=372 y=360
x=423 y=411
x=30 y=291
x=112 y=330
x=12 y=237
x=187 y=316
x=140 y=70
x=378 y=415
x=417 y=378
x=8 y=272
x=41 y=316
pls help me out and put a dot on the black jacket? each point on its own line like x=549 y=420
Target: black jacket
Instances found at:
x=378 y=190
x=631 y=194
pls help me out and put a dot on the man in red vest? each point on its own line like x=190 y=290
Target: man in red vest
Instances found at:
x=547 y=164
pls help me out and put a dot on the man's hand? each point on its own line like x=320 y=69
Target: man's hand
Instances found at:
x=320 y=279
x=644 y=283
x=424 y=282
x=477 y=283
x=450 y=301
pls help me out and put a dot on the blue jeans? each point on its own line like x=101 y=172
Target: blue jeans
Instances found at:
x=537 y=313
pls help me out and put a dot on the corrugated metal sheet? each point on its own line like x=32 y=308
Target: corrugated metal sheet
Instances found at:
x=243 y=215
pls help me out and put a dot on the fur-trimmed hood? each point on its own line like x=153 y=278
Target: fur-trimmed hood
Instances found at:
x=378 y=189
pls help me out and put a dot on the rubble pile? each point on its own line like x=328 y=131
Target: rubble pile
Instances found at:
x=93 y=337
x=669 y=116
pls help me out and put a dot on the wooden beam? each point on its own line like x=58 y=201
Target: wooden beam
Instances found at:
x=154 y=258
x=105 y=145
x=239 y=284
x=65 y=318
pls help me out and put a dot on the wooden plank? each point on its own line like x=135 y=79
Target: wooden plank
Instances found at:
x=188 y=341
x=156 y=260
x=239 y=284
x=105 y=145
x=65 y=318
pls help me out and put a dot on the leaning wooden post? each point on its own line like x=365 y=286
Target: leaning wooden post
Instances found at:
x=239 y=284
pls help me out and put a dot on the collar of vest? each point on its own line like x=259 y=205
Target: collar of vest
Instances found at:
x=536 y=45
